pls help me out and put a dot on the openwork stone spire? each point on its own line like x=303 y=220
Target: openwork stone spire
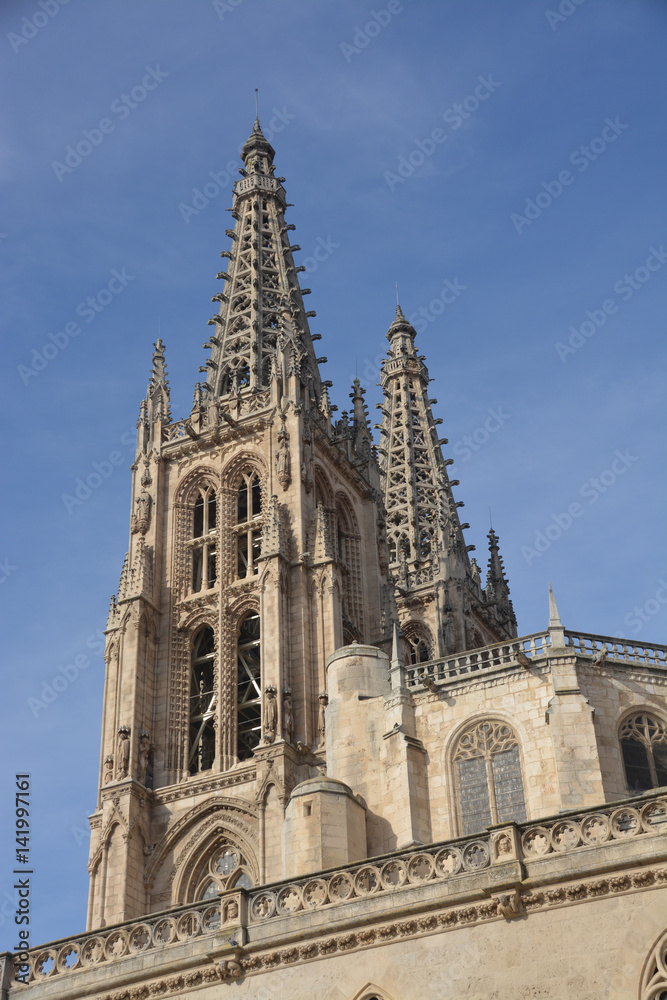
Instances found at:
x=262 y=329
x=427 y=551
x=423 y=526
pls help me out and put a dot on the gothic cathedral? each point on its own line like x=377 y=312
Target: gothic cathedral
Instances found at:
x=330 y=767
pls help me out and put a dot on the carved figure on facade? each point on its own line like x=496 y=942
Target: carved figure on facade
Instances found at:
x=123 y=753
x=108 y=769
x=509 y=904
x=144 y=755
x=270 y=714
x=283 y=460
x=141 y=518
x=321 y=715
x=288 y=720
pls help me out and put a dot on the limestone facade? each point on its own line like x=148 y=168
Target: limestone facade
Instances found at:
x=330 y=766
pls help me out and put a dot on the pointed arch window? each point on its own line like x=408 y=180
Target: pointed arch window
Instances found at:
x=202 y=702
x=248 y=525
x=249 y=687
x=487 y=765
x=204 y=539
x=644 y=748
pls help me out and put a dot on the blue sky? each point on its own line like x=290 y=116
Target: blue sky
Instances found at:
x=540 y=190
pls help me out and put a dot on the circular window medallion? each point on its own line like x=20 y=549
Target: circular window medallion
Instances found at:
x=394 y=874
x=69 y=958
x=188 y=925
x=226 y=862
x=420 y=867
x=595 y=829
x=116 y=944
x=289 y=899
x=475 y=855
x=340 y=887
x=140 y=938
x=164 y=931
x=367 y=880
x=315 y=893
x=263 y=905
x=536 y=841
x=565 y=836
x=625 y=823
x=92 y=951
x=210 y=920
x=448 y=862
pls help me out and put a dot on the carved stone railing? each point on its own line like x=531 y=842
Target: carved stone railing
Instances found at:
x=527 y=647
x=369 y=878
x=133 y=938
x=476 y=660
x=619 y=650
x=573 y=831
x=450 y=862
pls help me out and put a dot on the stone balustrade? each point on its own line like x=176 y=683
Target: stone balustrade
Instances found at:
x=131 y=938
x=474 y=660
x=452 y=862
x=384 y=875
x=601 y=648
x=617 y=650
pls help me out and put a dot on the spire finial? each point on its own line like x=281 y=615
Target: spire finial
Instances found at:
x=256 y=104
x=554 y=617
x=397 y=302
x=490 y=520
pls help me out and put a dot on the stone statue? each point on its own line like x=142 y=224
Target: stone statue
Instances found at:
x=270 y=721
x=321 y=719
x=283 y=462
x=141 y=518
x=123 y=753
x=144 y=754
x=474 y=568
x=108 y=769
x=288 y=721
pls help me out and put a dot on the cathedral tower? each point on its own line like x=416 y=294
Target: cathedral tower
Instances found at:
x=253 y=556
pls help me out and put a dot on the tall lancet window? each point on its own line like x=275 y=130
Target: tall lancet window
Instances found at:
x=249 y=687
x=204 y=551
x=248 y=525
x=202 y=702
x=488 y=776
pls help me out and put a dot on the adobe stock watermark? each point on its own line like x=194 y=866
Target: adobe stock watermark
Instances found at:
x=465 y=448
x=65 y=675
x=223 y=7
x=581 y=158
x=363 y=36
x=565 y=9
x=84 y=488
x=624 y=288
x=7 y=569
x=642 y=614
x=122 y=107
x=31 y=26
x=219 y=180
x=88 y=310
x=454 y=117
x=591 y=491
